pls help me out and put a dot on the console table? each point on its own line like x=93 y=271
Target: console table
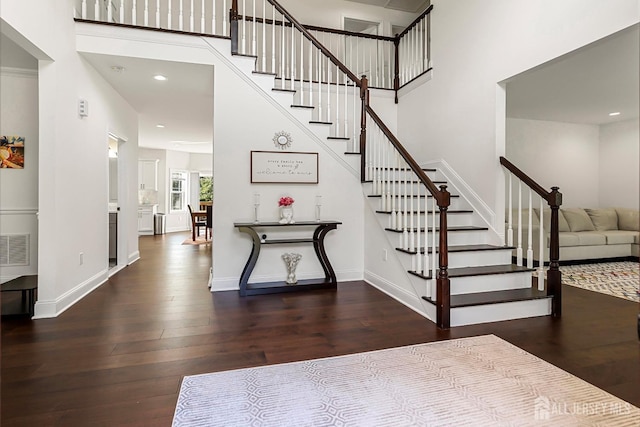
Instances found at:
x=321 y=229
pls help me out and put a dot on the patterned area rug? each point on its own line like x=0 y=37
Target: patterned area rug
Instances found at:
x=478 y=381
x=619 y=279
x=200 y=240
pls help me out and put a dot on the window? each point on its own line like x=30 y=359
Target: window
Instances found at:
x=179 y=190
x=206 y=188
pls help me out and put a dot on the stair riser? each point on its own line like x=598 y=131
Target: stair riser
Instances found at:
x=499 y=312
x=461 y=259
x=489 y=283
x=454 y=238
x=457 y=203
x=453 y=220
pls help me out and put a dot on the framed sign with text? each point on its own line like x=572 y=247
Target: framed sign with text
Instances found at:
x=284 y=167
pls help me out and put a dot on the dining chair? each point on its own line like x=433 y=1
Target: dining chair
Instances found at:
x=196 y=223
x=210 y=221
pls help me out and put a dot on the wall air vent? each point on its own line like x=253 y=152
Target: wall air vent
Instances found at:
x=14 y=249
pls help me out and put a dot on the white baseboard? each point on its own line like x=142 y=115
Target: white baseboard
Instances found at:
x=53 y=308
x=133 y=257
x=402 y=296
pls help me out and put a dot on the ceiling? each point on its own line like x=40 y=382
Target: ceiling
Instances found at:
x=412 y=6
x=583 y=86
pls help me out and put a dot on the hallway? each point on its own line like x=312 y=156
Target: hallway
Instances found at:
x=117 y=357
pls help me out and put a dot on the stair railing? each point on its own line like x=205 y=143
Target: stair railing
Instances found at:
x=301 y=64
x=405 y=191
x=413 y=51
x=553 y=198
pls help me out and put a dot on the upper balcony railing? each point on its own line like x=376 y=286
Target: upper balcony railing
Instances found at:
x=388 y=62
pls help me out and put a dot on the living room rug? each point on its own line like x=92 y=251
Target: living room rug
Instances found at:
x=478 y=381
x=619 y=279
x=200 y=240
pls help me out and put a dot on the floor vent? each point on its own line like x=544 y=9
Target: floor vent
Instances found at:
x=14 y=249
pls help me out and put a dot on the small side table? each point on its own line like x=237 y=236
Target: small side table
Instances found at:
x=321 y=229
x=28 y=286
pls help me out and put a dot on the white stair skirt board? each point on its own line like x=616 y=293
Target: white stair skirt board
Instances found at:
x=473 y=315
x=490 y=282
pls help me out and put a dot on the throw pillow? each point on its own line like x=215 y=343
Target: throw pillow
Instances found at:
x=578 y=219
x=563 y=225
x=628 y=219
x=603 y=219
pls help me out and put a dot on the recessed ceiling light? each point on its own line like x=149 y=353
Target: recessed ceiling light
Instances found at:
x=616 y=113
x=117 y=69
x=160 y=77
x=159 y=126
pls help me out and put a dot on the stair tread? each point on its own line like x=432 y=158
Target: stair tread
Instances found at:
x=457 y=211
x=341 y=138
x=266 y=73
x=453 y=228
x=277 y=89
x=408 y=169
x=461 y=248
x=245 y=55
x=484 y=270
x=317 y=122
x=348 y=152
x=310 y=107
x=494 y=297
x=411 y=182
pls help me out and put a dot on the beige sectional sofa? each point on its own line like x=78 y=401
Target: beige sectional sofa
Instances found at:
x=584 y=233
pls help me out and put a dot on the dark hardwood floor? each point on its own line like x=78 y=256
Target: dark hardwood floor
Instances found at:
x=117 y=357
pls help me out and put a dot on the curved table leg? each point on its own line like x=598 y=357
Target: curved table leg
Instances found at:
x=251 y=262
x=318 y=245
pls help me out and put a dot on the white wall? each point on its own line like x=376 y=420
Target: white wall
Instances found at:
x=236 y=104
x=19 y=193
x=558 y=154
x=202 y=163
x=73 y=180
x=619 y=164
x=459 y=115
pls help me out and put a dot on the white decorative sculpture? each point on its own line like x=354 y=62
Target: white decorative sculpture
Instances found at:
x=291 y=261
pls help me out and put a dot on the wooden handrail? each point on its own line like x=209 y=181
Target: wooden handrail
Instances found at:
x=349 y=33
x=315 y=42
x=435 y=192
x=415 y=21
x=525 y=178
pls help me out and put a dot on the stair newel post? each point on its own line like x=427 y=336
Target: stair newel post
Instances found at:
x=364 y=98
x=443 y=292
x=396 y=67
x=554 y=276
x=233 y=23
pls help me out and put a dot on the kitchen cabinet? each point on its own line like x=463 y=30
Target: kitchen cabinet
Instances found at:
x=146 y=214
x=148 y=175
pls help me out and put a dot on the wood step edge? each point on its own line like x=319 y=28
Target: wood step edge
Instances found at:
x=339 y=138
x=317 y=122
x=494 y=297
x=457 y=211
x=277 y=89
x=459 y=228
x=264 y=73
x=461 y=248
x=308 y=107
x=408 y=197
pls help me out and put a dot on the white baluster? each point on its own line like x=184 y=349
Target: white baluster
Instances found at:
x=122 y=12
x=425 y=264
x=191 y=18
x=542 y=248
x=273 y=39
x=346 y=106
x=418 y=255
x=510 y=213
x=225 y=17
x=83 y=9
x=383 y=182
x=293 y=58
x=169 y=17
x=282 y=57
x=96 y=10
x=264 y=35
x=213 y=17
x=310 y=73
x=158 y=13
x=320 y=72
x=181 y=16
x=337 y=124
x=203 y=29
x=328 y=90
x=244 y=27
x=134 y=13
x=529 y=235
x=519 y=248
x=405 y=216
x=146 y=13
x=109 y=12
x=411 y=222
x=356 y=97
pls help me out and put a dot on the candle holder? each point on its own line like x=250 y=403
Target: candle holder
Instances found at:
x=256 y=205
x=318 y=205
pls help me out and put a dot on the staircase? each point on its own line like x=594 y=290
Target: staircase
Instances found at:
x=443 y=244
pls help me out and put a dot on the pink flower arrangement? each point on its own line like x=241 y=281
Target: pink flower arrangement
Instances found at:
x=285 y=201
